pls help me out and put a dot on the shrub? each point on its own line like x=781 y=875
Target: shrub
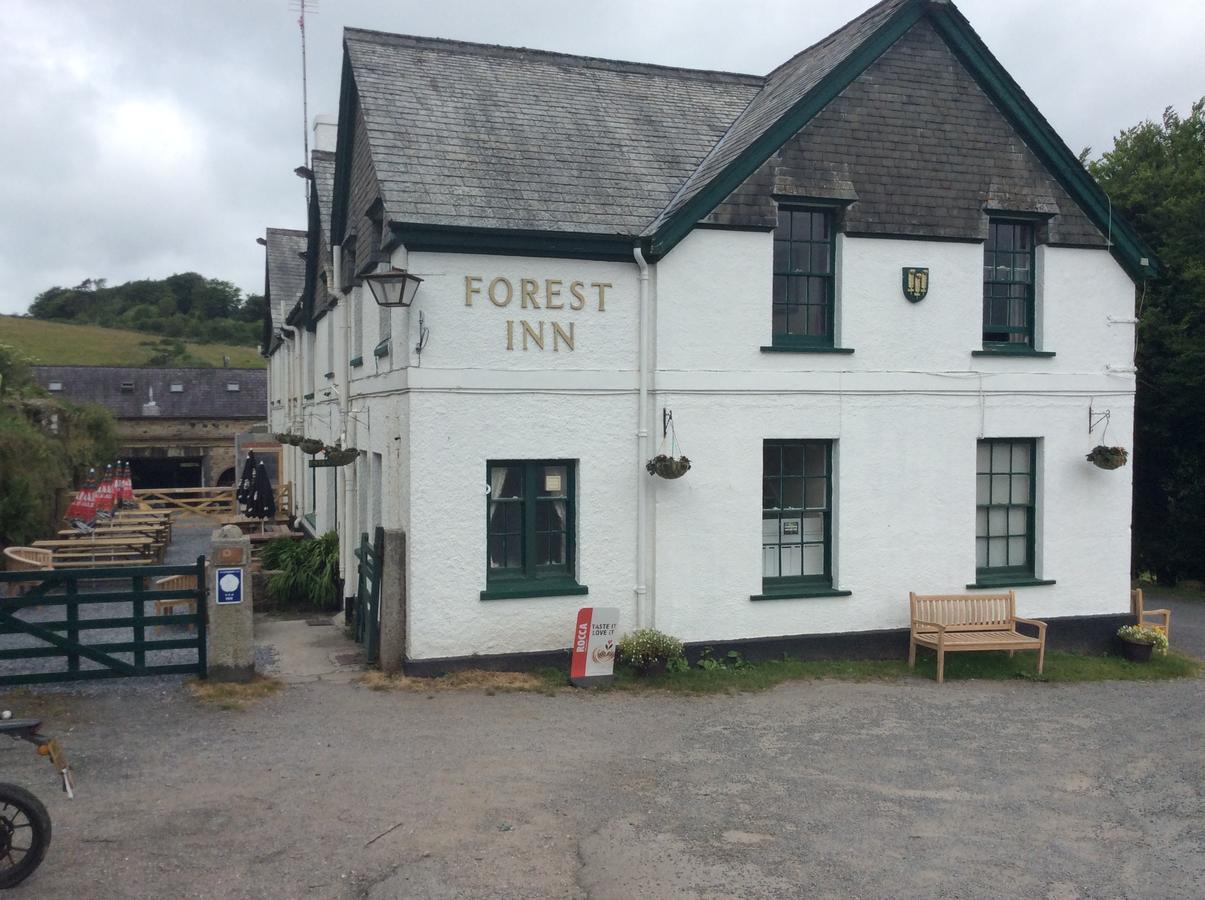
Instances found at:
x=307 y=570
x=1144 y=634
x=648 y=649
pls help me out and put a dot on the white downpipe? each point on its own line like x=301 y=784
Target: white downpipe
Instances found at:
x=645 y=614
x=343 y=395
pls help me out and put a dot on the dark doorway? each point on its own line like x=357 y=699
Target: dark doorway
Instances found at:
x=166 y=472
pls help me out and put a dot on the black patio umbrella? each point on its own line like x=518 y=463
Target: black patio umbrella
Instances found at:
x=246 y=483
x=261 y=504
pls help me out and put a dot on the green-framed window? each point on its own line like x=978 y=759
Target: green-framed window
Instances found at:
x=797 y=526
x=531 y=528
x=1008 y=286
x=1005 y=504
x=804 y=291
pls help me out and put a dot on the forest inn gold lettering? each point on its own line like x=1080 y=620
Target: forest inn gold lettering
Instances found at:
x=534 y=293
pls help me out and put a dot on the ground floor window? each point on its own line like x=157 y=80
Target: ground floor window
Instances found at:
x=797 y=501
x=531 y=528
x=1005 y=502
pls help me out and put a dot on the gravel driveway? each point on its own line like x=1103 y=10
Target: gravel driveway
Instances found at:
x=829 y=789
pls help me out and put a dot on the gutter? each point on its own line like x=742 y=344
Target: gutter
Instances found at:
x=346 y=537
x=645 y=607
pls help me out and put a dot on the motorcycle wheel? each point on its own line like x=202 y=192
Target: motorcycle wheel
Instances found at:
x=24 y=834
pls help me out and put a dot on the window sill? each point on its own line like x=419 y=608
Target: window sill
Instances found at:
x=382 y=349
x=801 y=593
x=307 y=396
x=775 y=348
x=356 y=362
x=985 y=582
x=1027 y=352
x=522 y=589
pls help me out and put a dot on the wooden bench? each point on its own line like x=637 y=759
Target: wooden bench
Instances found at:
x=87 y=547
x=176 y=607
x=957 y=623
x=26 y=559
x=1159 y=619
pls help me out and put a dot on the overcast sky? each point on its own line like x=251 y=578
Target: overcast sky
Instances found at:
x=144 y=137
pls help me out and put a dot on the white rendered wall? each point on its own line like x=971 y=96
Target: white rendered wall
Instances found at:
x=905 y=410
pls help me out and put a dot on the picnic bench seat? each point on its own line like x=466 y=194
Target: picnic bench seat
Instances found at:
x=956 y=623
x=25 y=559
x=89 y=547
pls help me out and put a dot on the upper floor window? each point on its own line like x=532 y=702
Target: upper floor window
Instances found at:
x=803 y=278
x=1008 y=286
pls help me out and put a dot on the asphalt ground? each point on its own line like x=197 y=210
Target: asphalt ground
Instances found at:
x=813 y=789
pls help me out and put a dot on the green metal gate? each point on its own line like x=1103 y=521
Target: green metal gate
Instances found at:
x=368 y=592
x=53 y=612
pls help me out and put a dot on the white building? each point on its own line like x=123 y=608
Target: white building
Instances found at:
x=603 y=243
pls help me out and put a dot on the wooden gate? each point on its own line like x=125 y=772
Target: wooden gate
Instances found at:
x=368 y=592
x=45 y=617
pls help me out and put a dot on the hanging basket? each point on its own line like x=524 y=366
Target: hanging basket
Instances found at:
x=668 y=466
x=310 y=445
x=287 y=437
x=1108 y=457
x=340 y=456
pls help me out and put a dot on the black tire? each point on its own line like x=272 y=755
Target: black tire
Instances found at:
x=21 y=811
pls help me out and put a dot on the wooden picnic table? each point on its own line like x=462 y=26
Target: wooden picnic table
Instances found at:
x=90 y=547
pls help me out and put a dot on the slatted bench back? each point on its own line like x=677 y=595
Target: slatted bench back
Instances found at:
x=966 y=612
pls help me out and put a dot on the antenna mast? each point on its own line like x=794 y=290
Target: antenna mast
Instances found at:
x=302 y=7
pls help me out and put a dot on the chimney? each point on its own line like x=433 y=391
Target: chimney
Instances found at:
x=326 y=129
x=150 y=408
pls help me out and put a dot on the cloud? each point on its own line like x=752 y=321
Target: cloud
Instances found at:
x=146 y=137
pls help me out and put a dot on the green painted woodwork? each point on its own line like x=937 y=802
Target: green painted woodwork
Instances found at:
x=986 y=582
x=801 y=593
x=1042 y=139
x=531 y=529
x=1028 y=352
x=1008 y=286
x=803 y=348
x=449 y=239
x=66 y=637
x=797 y=489
x=381 y=349
x=356 y=362
x=804 y=275
x=371 y=556
x=1006 y=490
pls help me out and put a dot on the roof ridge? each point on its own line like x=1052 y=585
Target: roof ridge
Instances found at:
x=503 y=50
x=832 y=34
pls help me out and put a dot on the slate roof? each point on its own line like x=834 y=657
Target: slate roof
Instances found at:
x=783 y=88
x=499 y=137
x=322 y=164
x=285 y=278
x=204 y=396
x=512 y=140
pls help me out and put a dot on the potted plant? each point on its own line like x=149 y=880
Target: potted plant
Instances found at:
x=340 y=456
x=310 y=445
x=1139 y=641
x=648 y=651
x=668 y=466
x=1107 y=457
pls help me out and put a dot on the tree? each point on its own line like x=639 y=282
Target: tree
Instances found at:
x=1155 y=175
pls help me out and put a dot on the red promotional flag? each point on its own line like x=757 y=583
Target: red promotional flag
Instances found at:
x=81 y=514
x=104 y=495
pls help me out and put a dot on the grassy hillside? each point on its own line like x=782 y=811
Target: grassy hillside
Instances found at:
x=56 y=343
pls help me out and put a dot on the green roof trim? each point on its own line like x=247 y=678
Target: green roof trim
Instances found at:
x=452 y=239
x=1021 y=113
x=1042 y=139
x=747 y=162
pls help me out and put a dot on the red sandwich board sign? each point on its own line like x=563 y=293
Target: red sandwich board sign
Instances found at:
x=594 y=645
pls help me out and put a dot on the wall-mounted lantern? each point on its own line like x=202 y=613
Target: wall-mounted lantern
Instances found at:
x=396 y=287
